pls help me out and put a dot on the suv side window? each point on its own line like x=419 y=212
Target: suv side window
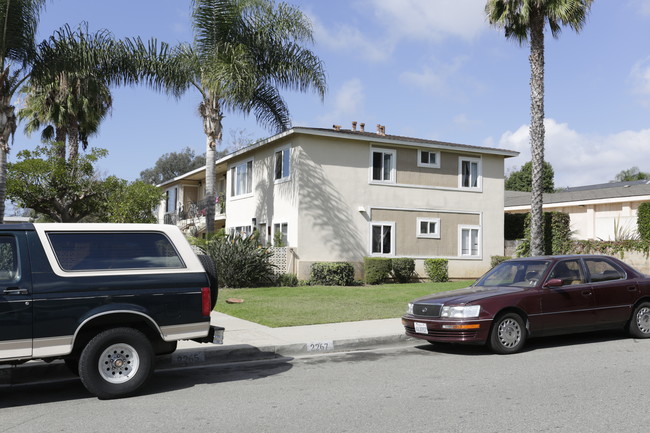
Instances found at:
x=113 y=251
x=603 y=270
x=8 y=259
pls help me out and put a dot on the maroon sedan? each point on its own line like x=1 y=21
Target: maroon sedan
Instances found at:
x=536 y=296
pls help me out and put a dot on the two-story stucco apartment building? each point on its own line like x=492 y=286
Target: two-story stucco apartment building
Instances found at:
x=341 y=195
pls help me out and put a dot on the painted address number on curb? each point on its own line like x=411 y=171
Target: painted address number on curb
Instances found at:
x=322 y=346
x=188 y=358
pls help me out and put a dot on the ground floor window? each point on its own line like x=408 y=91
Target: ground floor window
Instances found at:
x=382 y=238
x=280 y=234
x=469 y=241
x=428 y=228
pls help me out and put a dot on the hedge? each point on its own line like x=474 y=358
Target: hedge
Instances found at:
x=437 y=270
x=376 y=269
x=332 y=274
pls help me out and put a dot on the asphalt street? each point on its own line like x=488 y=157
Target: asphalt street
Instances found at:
x=584 y=383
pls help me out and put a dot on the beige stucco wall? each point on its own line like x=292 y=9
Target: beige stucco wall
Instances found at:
x=337 y=203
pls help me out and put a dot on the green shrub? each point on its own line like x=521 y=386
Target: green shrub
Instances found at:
x=403 y=269
x=332 y=274
x=495 y=260
x=287 y=280
x=437 y=270
x=240 y=262
x=557 y=235
x=376 y=269
x=643 y=221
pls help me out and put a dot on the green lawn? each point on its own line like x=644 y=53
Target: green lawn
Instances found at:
x=309 y=305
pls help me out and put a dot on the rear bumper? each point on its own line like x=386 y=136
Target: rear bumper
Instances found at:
x=448 y=331
x=215 y=336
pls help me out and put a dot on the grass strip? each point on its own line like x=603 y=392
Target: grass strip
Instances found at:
x=310 y=305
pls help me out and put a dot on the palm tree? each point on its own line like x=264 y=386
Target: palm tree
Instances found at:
x=18 y=22
x=525 y=21
x=243 y=52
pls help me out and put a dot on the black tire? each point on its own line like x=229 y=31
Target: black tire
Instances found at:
x=211 y=271
x=116 y=363
x=639 y=326
x=508 y=334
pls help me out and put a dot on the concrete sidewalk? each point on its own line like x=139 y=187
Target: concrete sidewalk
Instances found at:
x=243 y=341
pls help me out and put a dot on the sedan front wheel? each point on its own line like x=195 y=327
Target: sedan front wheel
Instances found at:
x=508 y=334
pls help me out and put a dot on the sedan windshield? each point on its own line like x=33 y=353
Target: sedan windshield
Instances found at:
x=525 y=273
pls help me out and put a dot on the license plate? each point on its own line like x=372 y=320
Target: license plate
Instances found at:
x=421 y=328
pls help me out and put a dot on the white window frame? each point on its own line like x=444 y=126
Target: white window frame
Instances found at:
x=285 y=161
x=285 y=233
x=429 y=164
x=390 y=224
x=171 y=200
x=429 y=235
x=479 y=175
x=469 y=229
x=391 y=176
x=243 y=231
x=233 y=179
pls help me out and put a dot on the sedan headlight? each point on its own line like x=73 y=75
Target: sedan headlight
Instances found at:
x=460 y=312
x=409 y=309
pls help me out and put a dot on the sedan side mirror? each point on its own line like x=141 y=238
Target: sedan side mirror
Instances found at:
x=554 y=282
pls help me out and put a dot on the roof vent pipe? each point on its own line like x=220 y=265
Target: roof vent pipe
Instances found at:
x=354 y=126
x=362 y=127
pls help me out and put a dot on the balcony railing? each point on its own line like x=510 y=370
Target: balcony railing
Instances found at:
x=195 y=211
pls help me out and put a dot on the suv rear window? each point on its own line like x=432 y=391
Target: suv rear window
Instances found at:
x=111 y=250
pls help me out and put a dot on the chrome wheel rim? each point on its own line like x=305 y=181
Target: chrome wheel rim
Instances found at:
x=509 y=333
x=118 y=363
x=643 y=320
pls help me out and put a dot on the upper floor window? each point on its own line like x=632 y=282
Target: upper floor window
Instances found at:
x=170 y=200
x=282 y=164
x=428 y=228
x=241 y=178
x=469 y=172
x=429 y=159
x=383 y=165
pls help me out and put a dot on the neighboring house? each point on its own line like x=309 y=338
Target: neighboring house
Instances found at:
x=606 y=211
x=342 y=195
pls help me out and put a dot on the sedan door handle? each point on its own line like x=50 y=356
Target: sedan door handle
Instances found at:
x=15 y=291
x=587 y=293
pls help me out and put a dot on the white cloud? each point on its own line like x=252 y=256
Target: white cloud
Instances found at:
x=581 y=159
x=640 y=76
x=349 y=39
x=348 y=103
x=643 y=6
x=431 y=20
x=436 y=79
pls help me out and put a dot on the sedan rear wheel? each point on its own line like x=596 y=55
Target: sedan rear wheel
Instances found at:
x=508 y=334
x=640 y=321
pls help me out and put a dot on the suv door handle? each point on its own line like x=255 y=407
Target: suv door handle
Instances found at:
x=15 y=291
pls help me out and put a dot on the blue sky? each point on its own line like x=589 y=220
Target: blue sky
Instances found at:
x=423 y=68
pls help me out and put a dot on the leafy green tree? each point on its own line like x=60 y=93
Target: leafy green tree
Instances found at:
x=631 y=174
x=18 y=23
x=133 y=202
x=522 y=179
x=524 y=21
x=171 y=165
x=244 y=52
x=72 y=191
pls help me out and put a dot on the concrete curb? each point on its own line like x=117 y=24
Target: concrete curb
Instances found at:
x=35 y=372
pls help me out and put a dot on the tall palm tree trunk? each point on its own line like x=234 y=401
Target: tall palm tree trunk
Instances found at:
x=212 y=127
x=537 y=129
